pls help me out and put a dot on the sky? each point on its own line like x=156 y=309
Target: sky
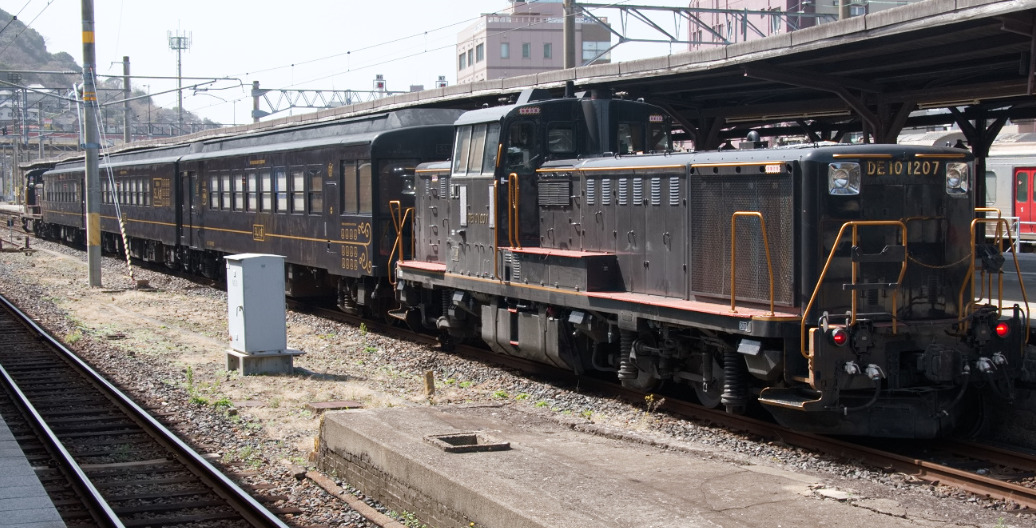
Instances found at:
x=305 y=44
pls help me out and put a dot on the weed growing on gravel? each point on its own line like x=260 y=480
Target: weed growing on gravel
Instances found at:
x=74 y=336
x=587 y=413
x=464 y=384
x=198 y=399
x=521 y=397
x=500 y=394
x=223 y=403
x=542 y=403
x=408 y=519
x=275 y=402
x=653 y=403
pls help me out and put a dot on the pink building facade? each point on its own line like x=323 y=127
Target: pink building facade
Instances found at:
x=526 y=38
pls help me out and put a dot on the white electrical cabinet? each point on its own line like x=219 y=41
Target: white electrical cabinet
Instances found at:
x=255 y=303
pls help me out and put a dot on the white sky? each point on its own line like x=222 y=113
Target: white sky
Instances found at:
x=305 y=44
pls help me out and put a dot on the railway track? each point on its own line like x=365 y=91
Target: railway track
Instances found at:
x=983 y=470
x=109 y=462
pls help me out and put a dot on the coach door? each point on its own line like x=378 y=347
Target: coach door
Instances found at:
x=1024 y=195
x=188 y=182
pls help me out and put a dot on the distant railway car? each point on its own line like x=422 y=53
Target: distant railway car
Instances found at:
x=832 y=285
x=1010 y=175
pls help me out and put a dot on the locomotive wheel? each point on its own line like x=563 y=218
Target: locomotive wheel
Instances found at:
x=712 y=397
x=644 y=382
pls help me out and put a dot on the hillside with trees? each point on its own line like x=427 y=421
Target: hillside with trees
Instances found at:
x=36 y=101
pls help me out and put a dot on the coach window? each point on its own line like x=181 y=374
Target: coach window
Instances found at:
x=238 y=180
x=298 y=190
x=266 y=180
x=135 y=191
x=365 y=192
x=251 y=189
x=315 y=191
x=280 y=182
x=213 y=192
x=226 y=191
x=990 y=188
x=350 y=203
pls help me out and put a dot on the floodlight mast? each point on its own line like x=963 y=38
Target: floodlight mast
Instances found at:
x=179 y=43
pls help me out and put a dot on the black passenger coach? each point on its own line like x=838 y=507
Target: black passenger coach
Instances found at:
x=317 y=194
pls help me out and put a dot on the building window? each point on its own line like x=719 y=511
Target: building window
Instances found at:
x=480 y=53
x=461 y=64
x=592 y=49
x=526 y=50
x=505 y=50
x=471 y=57
x=547 y=49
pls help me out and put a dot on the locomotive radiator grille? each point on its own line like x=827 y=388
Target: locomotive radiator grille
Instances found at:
x=714 y=199
x=554 y=193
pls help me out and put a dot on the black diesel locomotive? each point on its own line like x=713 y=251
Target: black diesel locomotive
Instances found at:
x=837 y=286
x=834 y=285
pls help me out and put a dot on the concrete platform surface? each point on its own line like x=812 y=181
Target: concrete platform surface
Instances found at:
x=23 y=501
x=556 y=476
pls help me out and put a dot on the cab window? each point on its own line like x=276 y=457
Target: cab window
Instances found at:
x=560 y=138
x=522 y=146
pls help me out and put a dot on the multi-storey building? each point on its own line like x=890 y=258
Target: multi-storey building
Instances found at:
x=526 y=38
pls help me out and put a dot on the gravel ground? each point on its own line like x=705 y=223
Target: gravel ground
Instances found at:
x=166 y=347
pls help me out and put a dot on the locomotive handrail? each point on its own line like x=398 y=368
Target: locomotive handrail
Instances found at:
x=855 y=269
x=998 y=237
x=969 y=277
x=399 y=216
x=733 y=254
x=512 y=210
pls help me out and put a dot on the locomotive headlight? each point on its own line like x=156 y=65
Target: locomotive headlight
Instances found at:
x=957 y=178
x=843 y=178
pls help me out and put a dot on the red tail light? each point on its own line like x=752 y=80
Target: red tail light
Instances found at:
x=1003 y=329
x=838 y=336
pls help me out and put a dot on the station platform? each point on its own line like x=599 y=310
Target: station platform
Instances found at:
x=23 y=501
x=552 y=474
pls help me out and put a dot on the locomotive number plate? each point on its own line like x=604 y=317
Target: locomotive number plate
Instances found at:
x=902 y=168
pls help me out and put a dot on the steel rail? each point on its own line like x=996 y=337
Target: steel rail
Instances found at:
x=243 y=503
x=100 y=511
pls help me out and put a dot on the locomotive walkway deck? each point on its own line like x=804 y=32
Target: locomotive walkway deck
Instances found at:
x=23 y=501
x=565 y=475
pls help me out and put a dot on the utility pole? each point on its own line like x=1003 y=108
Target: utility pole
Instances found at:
x=179 y=43
x=126 y=136
x=92 y=145
x=569 y=32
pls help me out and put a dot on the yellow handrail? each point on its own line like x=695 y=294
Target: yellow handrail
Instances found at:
x=512 y=210
x=399 y=217
x=964 y=309
x=733 y=254
x=855 y=269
